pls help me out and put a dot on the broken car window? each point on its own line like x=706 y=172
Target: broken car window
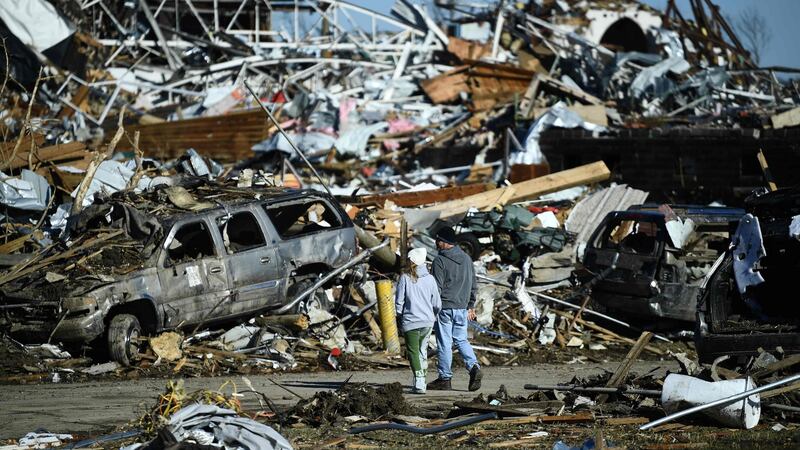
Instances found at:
x=631 y=236
x=298 y=219
x=240 y=232
x=191 y=241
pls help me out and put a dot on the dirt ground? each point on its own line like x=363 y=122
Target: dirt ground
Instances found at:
x=93 y=406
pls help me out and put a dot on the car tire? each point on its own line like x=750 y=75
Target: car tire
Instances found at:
x=123 y=334
x=317 y=299
x=470 y=244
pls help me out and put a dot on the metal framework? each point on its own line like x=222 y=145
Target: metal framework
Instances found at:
x=247 y=37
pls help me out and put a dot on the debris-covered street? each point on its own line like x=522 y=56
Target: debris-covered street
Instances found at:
x=266 y=224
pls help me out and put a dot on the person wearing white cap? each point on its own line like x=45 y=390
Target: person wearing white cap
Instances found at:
x=417 y=303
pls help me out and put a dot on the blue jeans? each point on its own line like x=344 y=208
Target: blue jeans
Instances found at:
x=451 y=327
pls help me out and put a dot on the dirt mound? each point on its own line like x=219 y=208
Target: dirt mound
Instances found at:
x=352 y=400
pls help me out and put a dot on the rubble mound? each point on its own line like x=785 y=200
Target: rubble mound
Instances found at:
x=352 y=400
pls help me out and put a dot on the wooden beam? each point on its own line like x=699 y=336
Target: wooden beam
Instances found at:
x=577 y=418
x=369 y=317
x=419 y=198
x=622 y=371
x=785 y=363
x=526 y=190
x=59 y=153
x=762 y=161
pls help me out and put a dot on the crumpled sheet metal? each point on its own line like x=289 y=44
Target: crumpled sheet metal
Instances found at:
x=589 y=212
x=309 y=142
x=353 y=141
x=30 y=191
x=652 y=78
x=748 y=250
x=557 y=116
x=229 y=430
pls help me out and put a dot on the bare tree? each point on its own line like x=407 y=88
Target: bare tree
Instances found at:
x=754 y=31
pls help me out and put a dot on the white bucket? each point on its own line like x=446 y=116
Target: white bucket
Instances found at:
x=681 y=392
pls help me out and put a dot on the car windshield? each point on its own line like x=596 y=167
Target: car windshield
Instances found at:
x=631 y=236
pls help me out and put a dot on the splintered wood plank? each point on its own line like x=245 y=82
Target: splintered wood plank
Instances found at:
x=622 y=371
x=418 y=198
x=577 y=418
x=527 y=190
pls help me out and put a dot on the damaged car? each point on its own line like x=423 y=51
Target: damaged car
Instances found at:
x=657 y=256
x=746 y=305
x=136 y=265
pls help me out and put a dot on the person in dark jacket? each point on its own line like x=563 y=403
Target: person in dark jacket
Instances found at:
x=455 y=277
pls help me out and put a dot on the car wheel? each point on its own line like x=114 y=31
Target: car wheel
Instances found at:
x=317 y=299
x=470 y=244
x=123 y=338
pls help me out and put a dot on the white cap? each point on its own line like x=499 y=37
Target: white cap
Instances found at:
x=417 y=256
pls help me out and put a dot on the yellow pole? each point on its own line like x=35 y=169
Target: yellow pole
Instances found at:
x=391 y=341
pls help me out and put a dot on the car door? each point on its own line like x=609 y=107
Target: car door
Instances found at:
x=308 y=230
x=193 y=275
x=251 y=260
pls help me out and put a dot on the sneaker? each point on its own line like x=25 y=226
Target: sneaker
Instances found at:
x=439 y=385
x=475 y=377
x=417 y=391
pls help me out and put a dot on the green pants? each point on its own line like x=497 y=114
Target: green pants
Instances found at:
x=417 y=350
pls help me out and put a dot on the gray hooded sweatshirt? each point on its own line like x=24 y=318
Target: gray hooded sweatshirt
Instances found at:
x=455 y=277
x=417 y=303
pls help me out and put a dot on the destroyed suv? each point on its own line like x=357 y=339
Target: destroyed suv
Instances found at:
x=141 y=264
x=658 y=256
x=748 y=302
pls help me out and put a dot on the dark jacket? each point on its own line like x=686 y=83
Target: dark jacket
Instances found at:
x=455 y=277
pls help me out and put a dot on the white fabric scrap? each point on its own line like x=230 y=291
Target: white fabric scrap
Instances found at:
x=36 y=23
x=794 y=227
x=526 y=301
x=548 y=219
x=547 y=334
x=680 y=231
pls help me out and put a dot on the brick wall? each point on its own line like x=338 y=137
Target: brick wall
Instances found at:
x=696 y=165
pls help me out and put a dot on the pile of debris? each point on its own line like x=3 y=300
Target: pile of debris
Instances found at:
x=351 y=403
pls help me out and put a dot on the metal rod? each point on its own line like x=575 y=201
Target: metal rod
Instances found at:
x=419 y=430
x=362 y=256
x=720 y=402
x=599 y=389
x=286 y=136
x=780 y=407
x=570 y=305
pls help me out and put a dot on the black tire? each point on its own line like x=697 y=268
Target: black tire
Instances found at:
x=470 y=244
x=317 y=299
x=123 y=334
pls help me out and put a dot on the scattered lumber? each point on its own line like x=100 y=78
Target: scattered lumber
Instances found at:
x=526 y=190
x=622 y=371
